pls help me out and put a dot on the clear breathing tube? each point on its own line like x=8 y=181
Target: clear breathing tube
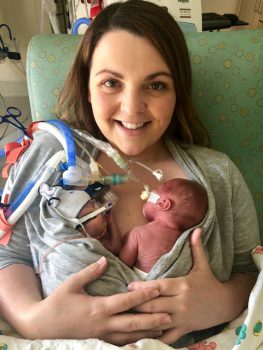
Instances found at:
x=104 y=147
x=120 y=162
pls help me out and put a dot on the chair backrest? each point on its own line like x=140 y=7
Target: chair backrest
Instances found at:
x=227 y=91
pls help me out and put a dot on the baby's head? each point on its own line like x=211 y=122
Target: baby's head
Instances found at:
x=97 y=226
x=181 y=203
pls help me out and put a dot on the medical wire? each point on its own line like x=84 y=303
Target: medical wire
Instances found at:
x=4 y=104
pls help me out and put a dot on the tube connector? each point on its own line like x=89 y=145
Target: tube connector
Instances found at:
x=120 y=162
x=158 y=174
x=146 y=193
x=72 y=176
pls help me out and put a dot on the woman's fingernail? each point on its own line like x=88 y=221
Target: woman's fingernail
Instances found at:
x=130 y=287
x=158 y=334
x=155 y=293
x=102 y=260
x=166 y=319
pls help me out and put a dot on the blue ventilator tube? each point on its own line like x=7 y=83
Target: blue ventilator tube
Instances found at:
x=68 y=137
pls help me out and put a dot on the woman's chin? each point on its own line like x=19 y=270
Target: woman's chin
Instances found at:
x=130 y=152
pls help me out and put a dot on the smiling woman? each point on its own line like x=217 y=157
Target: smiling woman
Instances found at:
x=130 y=84
x=132 y=103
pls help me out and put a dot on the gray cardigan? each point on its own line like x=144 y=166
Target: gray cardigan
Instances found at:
x=230 y=226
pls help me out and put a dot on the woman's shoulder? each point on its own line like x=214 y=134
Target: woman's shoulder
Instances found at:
x=210 y=159
x=217 y=166
x=209 y=155
x=203 y=156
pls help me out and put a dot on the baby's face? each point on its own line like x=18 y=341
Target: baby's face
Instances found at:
x=96 y=226
x=149 y=211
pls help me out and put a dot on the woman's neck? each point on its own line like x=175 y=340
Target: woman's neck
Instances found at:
x=151 y=156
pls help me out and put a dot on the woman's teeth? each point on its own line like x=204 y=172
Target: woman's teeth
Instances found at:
x=132 y=126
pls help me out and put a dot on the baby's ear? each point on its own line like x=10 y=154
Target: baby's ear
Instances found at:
x=164 y=203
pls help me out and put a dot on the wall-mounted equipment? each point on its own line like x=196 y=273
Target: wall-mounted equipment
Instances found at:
x=5 y=51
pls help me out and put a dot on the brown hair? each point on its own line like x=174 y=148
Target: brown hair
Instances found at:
x=189 y=198
x=147 y=20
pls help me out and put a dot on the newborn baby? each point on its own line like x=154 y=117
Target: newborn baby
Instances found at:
x=87 y=211
x=101 y=226
x=174 y=207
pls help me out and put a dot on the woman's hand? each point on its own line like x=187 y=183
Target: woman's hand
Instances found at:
x=70 y=313
x=198 y=300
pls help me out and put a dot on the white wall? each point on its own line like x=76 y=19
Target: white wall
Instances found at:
x=23 y=17
x=220 y=6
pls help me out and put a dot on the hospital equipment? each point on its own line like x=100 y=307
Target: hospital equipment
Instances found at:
x=74 y=172
x=11 y=117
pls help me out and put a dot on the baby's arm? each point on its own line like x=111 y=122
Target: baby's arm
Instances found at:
x=129 y=250
x=112 y=239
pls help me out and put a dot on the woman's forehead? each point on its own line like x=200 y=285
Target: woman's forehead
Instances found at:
x=122 y=49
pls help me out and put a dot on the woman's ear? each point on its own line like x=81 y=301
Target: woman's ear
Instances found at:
x=164 y=203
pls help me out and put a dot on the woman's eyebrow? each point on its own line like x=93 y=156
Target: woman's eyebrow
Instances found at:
x=148 y=77
x=112 y=72
x=156 y=74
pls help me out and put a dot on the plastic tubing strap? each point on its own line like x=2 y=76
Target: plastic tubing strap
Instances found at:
x=2 y=151
x=68 y=137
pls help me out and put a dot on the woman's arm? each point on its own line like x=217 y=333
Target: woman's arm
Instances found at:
x=197 y=301
x=70 y=313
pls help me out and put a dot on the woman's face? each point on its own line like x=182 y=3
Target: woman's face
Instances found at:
x=131 y=92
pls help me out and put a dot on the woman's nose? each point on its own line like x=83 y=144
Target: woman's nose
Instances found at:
x=133 y=102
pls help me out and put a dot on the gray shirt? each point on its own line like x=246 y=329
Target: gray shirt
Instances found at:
x=56 y=251
x=230 y=226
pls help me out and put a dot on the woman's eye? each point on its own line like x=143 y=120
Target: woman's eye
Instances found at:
x=158 y=85
x=111 y=83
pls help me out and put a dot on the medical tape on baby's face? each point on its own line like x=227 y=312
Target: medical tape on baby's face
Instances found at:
x=153 y=198
x=106 y=207
x=74 y=222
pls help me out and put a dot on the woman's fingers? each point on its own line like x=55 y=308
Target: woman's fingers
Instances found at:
x=86 y=275
x=157 y=305
x=138 y=322
x=165 y=286
x=125 y=301
x=200 y=260
x=171 y=335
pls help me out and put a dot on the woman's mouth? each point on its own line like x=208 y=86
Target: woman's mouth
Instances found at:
x=132 y=126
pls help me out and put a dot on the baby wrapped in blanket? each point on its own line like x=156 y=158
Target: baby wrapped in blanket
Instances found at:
x=175 y=207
